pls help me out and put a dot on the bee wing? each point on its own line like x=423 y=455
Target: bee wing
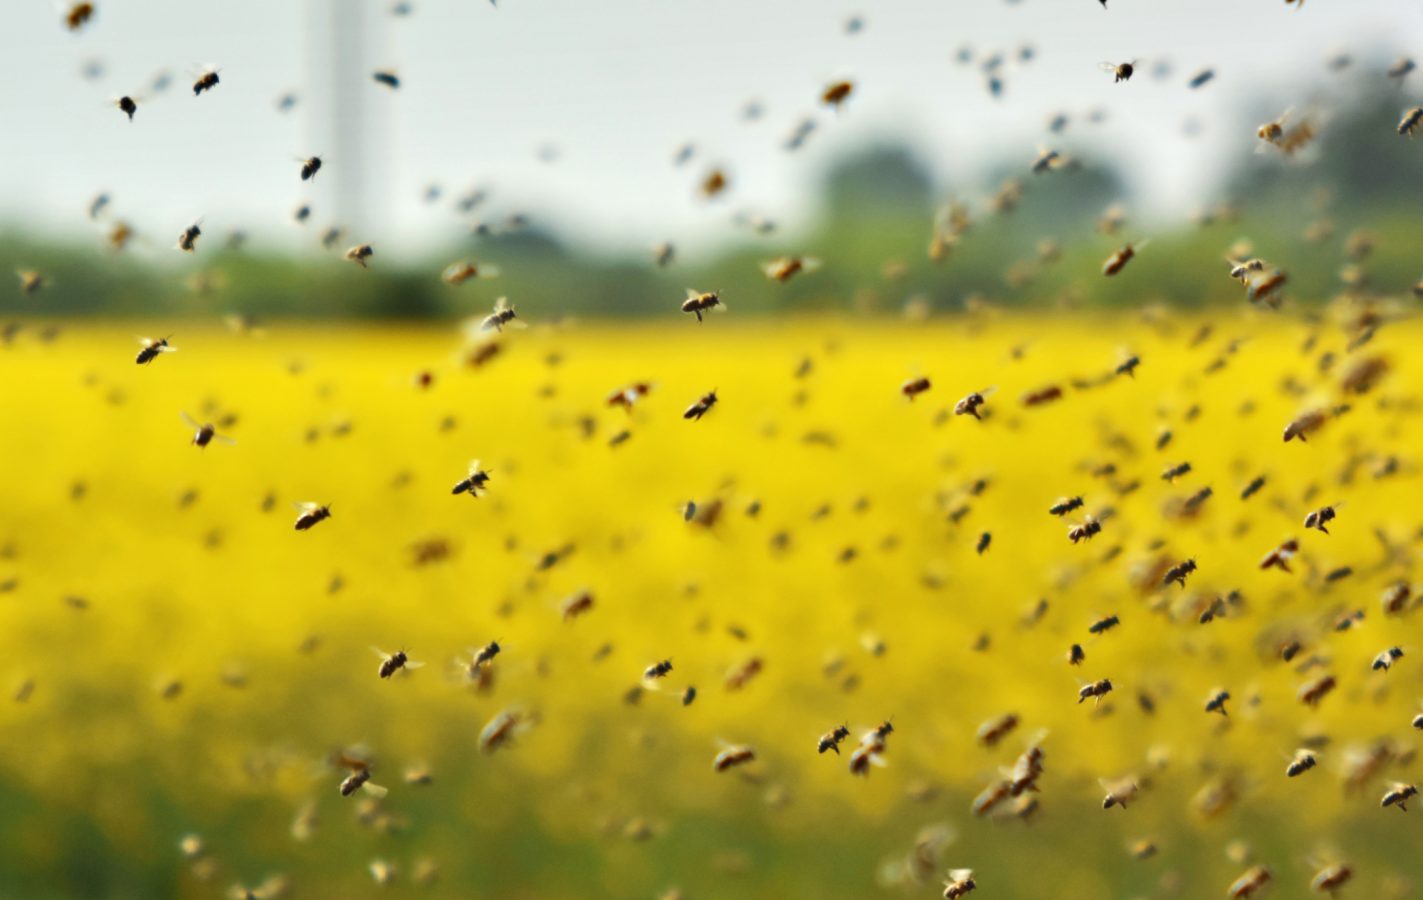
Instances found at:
x=487 y=271
x=1137 y=245
x=305 y=506
x=224 y=439
x=1107 y=66
x=473 y=466
x=809 y=263
x=379 y=652
x=501 y=304
x=189 y=421
x=693 y=292
x=375 y=789
x=413 y=664
x=960 y=874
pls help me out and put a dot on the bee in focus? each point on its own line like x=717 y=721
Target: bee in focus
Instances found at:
x=1251 y=883
x=1178 y=573
x=970 y=404
x=1216 y=702
x=207 y=80
x=390 y=663
x=657 y=670
x=309 y=167
x=359 y=254
x=503 y=315
x=831 y=739
x=1117 y=261
x=474 y=483
x=458 y=273
x=959 y=883
x=188 y=240
x=204 y=434
x=915 y=386
x=733 y=756
x=1096 y=690
x=387 y=78
x=1280 y=557
x=698 y=302
x=1302 y=762
x=1321 y=517
x=152 y=348
x=311 y=513
x=701 y=407
x=1385 y=660
x=1410 y=121
x=1120 y=71
x=360 y=776
x=784 y=268
x=837 y=93
x=1398 y=795
x=994 y=730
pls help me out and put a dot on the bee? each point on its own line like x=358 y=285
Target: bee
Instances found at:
x=784 y=268
x=128 y=106
x=1102 y=626
x=474 y=483
x=689 y=694
x=1395 y=598
x=387 y=78
x=628 y=396
x=503 y=315
x=1039 y=397
x=701 y=407
x=1303 y=424
x=1178 y=573
x=458 y=273
x=360 y=776
x=1398 y=795
x=501 y=729
x=1280 y=557
x=1119 y=792
x=738 y=677
x=960 y=881
x=484 y=655
x=1065 y=505
x=359 y=254
x=331 y=237
x=657 y=670
x=1311 y=692
x=1047 y=160
x=868 y=753
x=1171 y=473
x=1331 y=878
x=390 y=663
x=204 y=434
x=970 y=404
x=837 y=93
x=302 y=213
x=1084 y=531
x=1253 y=487
x=698 y=302
x=1117 y=261
x=832 y=738
x=1400 y=69
x=915 y=386
x=994 y=730
x=1096 y=690
x=309 y=167
x=1128 y=366
x=732 y=756
x=1200 y=79
x=1289 y=650
x=152 y=349
x=206 y=81
x=1385 y=660
x=310 y=514
x=1418 y=721
x=30 y=281
x=576 y=605
x=1410 y=121
x=1216 y=702
x=713 y=183
x=1075 y=655
x=1321 y=517
x=78 y=15
x=983 y=541
x=1302 y=762
x=1120 y=71
x=1251 y=883
x=188 y=240
x=663 y=254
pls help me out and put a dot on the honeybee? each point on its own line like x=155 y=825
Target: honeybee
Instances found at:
x=204 y=434
x=1096 y=690
x=713 y=183
x=657 y=670
x=1065 y=505
x=1119 y=792
x=309 y=167
x=30 y=281
x=188 y=240
x=1398 y=795
x=1216 y=702
x=1101 y=626
x=576 y=605
x=1117 y=261
x=732 y=756
x=959 y=883
x=701 y=407
x=1395 y=598
x=1400 y=69
x=1280 y=557
x=832 y=738
x=331 y=237
x=460 y=272
x=1171 y=473
x=689 y=694
x=503 y=315
x=1410 y=121
x=1321 y=517
x=78 y=15
x=207 y=80
x=1253 y=487
x=387 y=78
x=971 y=403
x=1302 y=762
x=663 y=254
x=1120 y=71
x=627 y=397
x=739 y=676
x=1311 y=692
x=359 y=254
x=501 y=729
x=1304 y=424
x=837 y=93
x=1075 y=655
x=1042 y=395
x=390 y=663
x=360 y=776
x=1128 y=366
x=1200 y=79
x=994 y=730
x=1288 y=140
x=483 y=656
x=128 y=106
x=915 y=386
x=784 y=268
x=474 y=483
x=1085 y=530
x=152 y=348
x=1046 y=161
x=1385 y=660
x=1178 y=573
x=1331 y=878
x=1251 y=883
x=983 y=541
x=698 y=302
x=310 y=514
x=867 y=754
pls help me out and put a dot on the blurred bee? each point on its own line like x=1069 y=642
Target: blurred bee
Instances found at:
x=1084 y=531
x=309 y=167
x=1302 y=762
x=1304 y=424
x=1102 y=626
x=983 y=541
x=1395 y=598
x=1331 y=878
x=501 y=729
x=732 y=756
x=915 y=386
x=1128 y=366
x=503 y=315
x=360 y=776
x=310 y=514
x=657 y=670
x=663 y=254
x=359 y=254
x=460 y=272
x=204 y=434
x=994 y=730
x=1321 y=517
x=1065 y=505
x=784 y=268
x=1251 y=883
x=78 y=15
x=1120 y=71
x=1075 y=655
x=1096 y=690
x=698 y=302
x=382 y=871
x=1311 y=692
x=689 y=694
x=188 y=240
x=1178 y=573
x=1119 y=792
x=1410 y=121
x=1288 y=140
x=474 y=483
x=1398 y=795
x=331 y=237
x=713 y=183
x=1216 y=702
x=1173 y=472
x=576 y=605
x=1400 y=69
x=1280 y=557
x=1117 y=261
x=739 y=676
x=152 y=348
x=960 y=881
x=628 y=396
x=206 y=81
x=1253 y=487
x=868 y=753
x=1200 y=79
x=484 y=655
x=970 y=404
x=1047 y=160
x=837 y=93
x=832 y=738
x=302 y=213
x=1385 y=660
x=387 y=78
x=701 y=407
x=30 y=281
x=127 y=105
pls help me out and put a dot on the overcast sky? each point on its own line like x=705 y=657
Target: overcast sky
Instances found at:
x=616 y=86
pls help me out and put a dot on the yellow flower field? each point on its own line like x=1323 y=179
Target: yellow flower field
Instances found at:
x=178 y=660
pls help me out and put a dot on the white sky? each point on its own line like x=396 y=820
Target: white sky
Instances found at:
x=617 y=86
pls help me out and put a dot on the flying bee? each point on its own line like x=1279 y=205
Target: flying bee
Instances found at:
x=1331 y=878
x=994 y=730
x=713 y=183
x=701 y=407
x=970 y=404
x=1302 y=762
x=689 y=695
x=458 y=273
x=474 y=483
x=1171 y=473
x=1102 y=626
x=1119 y=792
x=832 y=738
x=359 y=254
x=207 y=80
x=1128 y=366
x=699 y=302
x=359 y=778
x=867 y=754
x=915 y=386
x=1065 y=505
x=1321 y=517
x=503 y=315
x=627 y=397
x=1385 y=660
x=576 y=605
x=1253 y=487
x=188 y=240
x=784 y=268
x=1120 y=71
x=502 y=728
x=1216 y=702
x=128 y=105
x=1280 y=557
x=1096 y=690
x=657 y=670
x=1398 y=795
x=1046 y=161
x=837 y=93
x=1251 y=883
x=1311 y=692
x=1400 y=69
x=1178 y=573
x=983 y=541
x=732 y=756
x=1395 y=598
x=152 y=348
x=1117 y=261
x=1084 y=531
x=960 y=881
x=484 y=655
x=1075 y=655
x=78 y=15
x=387 y=78
x=30 y=281
x=309 y=167
x=310 y=514
x=1200 y=79
x=390 y=663
x=1304 y=424
x=205 y=433
x=1410 y=121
